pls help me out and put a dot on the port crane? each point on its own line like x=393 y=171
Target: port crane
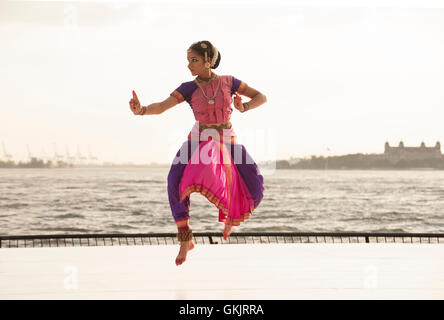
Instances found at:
x=91 y=157
x=80 y=157
x=5 y=154
x=57 y=156
x=69 y=157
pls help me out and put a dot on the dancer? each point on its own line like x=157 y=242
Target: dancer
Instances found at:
x=211 y=161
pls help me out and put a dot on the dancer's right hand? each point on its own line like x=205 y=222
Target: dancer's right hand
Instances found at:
x=135 y=104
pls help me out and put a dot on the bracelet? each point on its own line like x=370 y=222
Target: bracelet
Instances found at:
x=246 y=106
x=142 y=111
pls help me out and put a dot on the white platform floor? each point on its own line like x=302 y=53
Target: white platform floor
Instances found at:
x=229 y=271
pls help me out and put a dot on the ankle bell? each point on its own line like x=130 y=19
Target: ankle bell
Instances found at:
x=185 y=235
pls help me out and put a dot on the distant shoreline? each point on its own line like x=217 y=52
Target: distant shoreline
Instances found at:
x=363 y=162
x=346 y=162
x=260 y=168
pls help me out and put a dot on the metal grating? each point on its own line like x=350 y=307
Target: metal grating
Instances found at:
x=85 y=240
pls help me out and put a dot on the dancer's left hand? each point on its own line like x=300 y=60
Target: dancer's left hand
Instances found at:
x=238 y=102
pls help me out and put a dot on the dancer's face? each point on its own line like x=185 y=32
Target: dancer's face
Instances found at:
x=196 y=64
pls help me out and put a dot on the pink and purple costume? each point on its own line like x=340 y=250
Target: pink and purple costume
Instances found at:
x=211 y=161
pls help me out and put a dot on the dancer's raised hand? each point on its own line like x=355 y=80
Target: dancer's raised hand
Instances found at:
x=135 y=104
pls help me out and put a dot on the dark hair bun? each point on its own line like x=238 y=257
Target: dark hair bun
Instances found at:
x=208 y=48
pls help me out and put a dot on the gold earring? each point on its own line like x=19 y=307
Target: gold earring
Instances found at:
x=207 y=64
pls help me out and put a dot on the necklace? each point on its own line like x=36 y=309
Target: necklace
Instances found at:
x=210 y=100
x=213 y=75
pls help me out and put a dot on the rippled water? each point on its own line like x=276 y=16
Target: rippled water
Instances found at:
x=133 y=200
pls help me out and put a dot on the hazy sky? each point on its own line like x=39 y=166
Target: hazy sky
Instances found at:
x=347 y=76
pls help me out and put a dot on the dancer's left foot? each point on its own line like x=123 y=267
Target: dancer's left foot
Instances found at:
x=227 y=231
x=185 y=246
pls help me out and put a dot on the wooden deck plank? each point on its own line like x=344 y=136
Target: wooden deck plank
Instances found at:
x=231 y=271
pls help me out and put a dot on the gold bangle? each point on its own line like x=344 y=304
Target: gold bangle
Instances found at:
x=142 y=111
x=246 y=106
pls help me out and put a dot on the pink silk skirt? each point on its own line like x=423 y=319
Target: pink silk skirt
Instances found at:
x=212 y=171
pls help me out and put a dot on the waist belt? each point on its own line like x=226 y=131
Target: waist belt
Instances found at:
x=220 y=127
x=227 y=136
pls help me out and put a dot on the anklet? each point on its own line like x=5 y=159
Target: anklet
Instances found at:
x=185 y=235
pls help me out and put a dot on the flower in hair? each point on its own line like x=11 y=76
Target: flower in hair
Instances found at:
x=215 y=55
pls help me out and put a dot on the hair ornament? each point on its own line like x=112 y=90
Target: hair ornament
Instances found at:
x=215 y=55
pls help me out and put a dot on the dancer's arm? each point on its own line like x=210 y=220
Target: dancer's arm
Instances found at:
x=154 y=108
x=257 y=98
x=160 y=107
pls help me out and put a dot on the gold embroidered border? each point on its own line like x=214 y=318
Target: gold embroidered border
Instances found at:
x=179 y=97
x=242 y=87
x=205 y=192
x=237 y=221
x=210 y=196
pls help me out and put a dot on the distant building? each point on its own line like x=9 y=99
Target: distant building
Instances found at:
x=412 y=153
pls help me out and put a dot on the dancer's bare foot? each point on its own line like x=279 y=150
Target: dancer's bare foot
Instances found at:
x=185 y=246
x=227 y=231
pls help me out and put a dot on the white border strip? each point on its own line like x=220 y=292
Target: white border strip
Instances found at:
x=274 y=3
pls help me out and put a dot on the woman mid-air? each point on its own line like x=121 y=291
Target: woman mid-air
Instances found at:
x=210 y=161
